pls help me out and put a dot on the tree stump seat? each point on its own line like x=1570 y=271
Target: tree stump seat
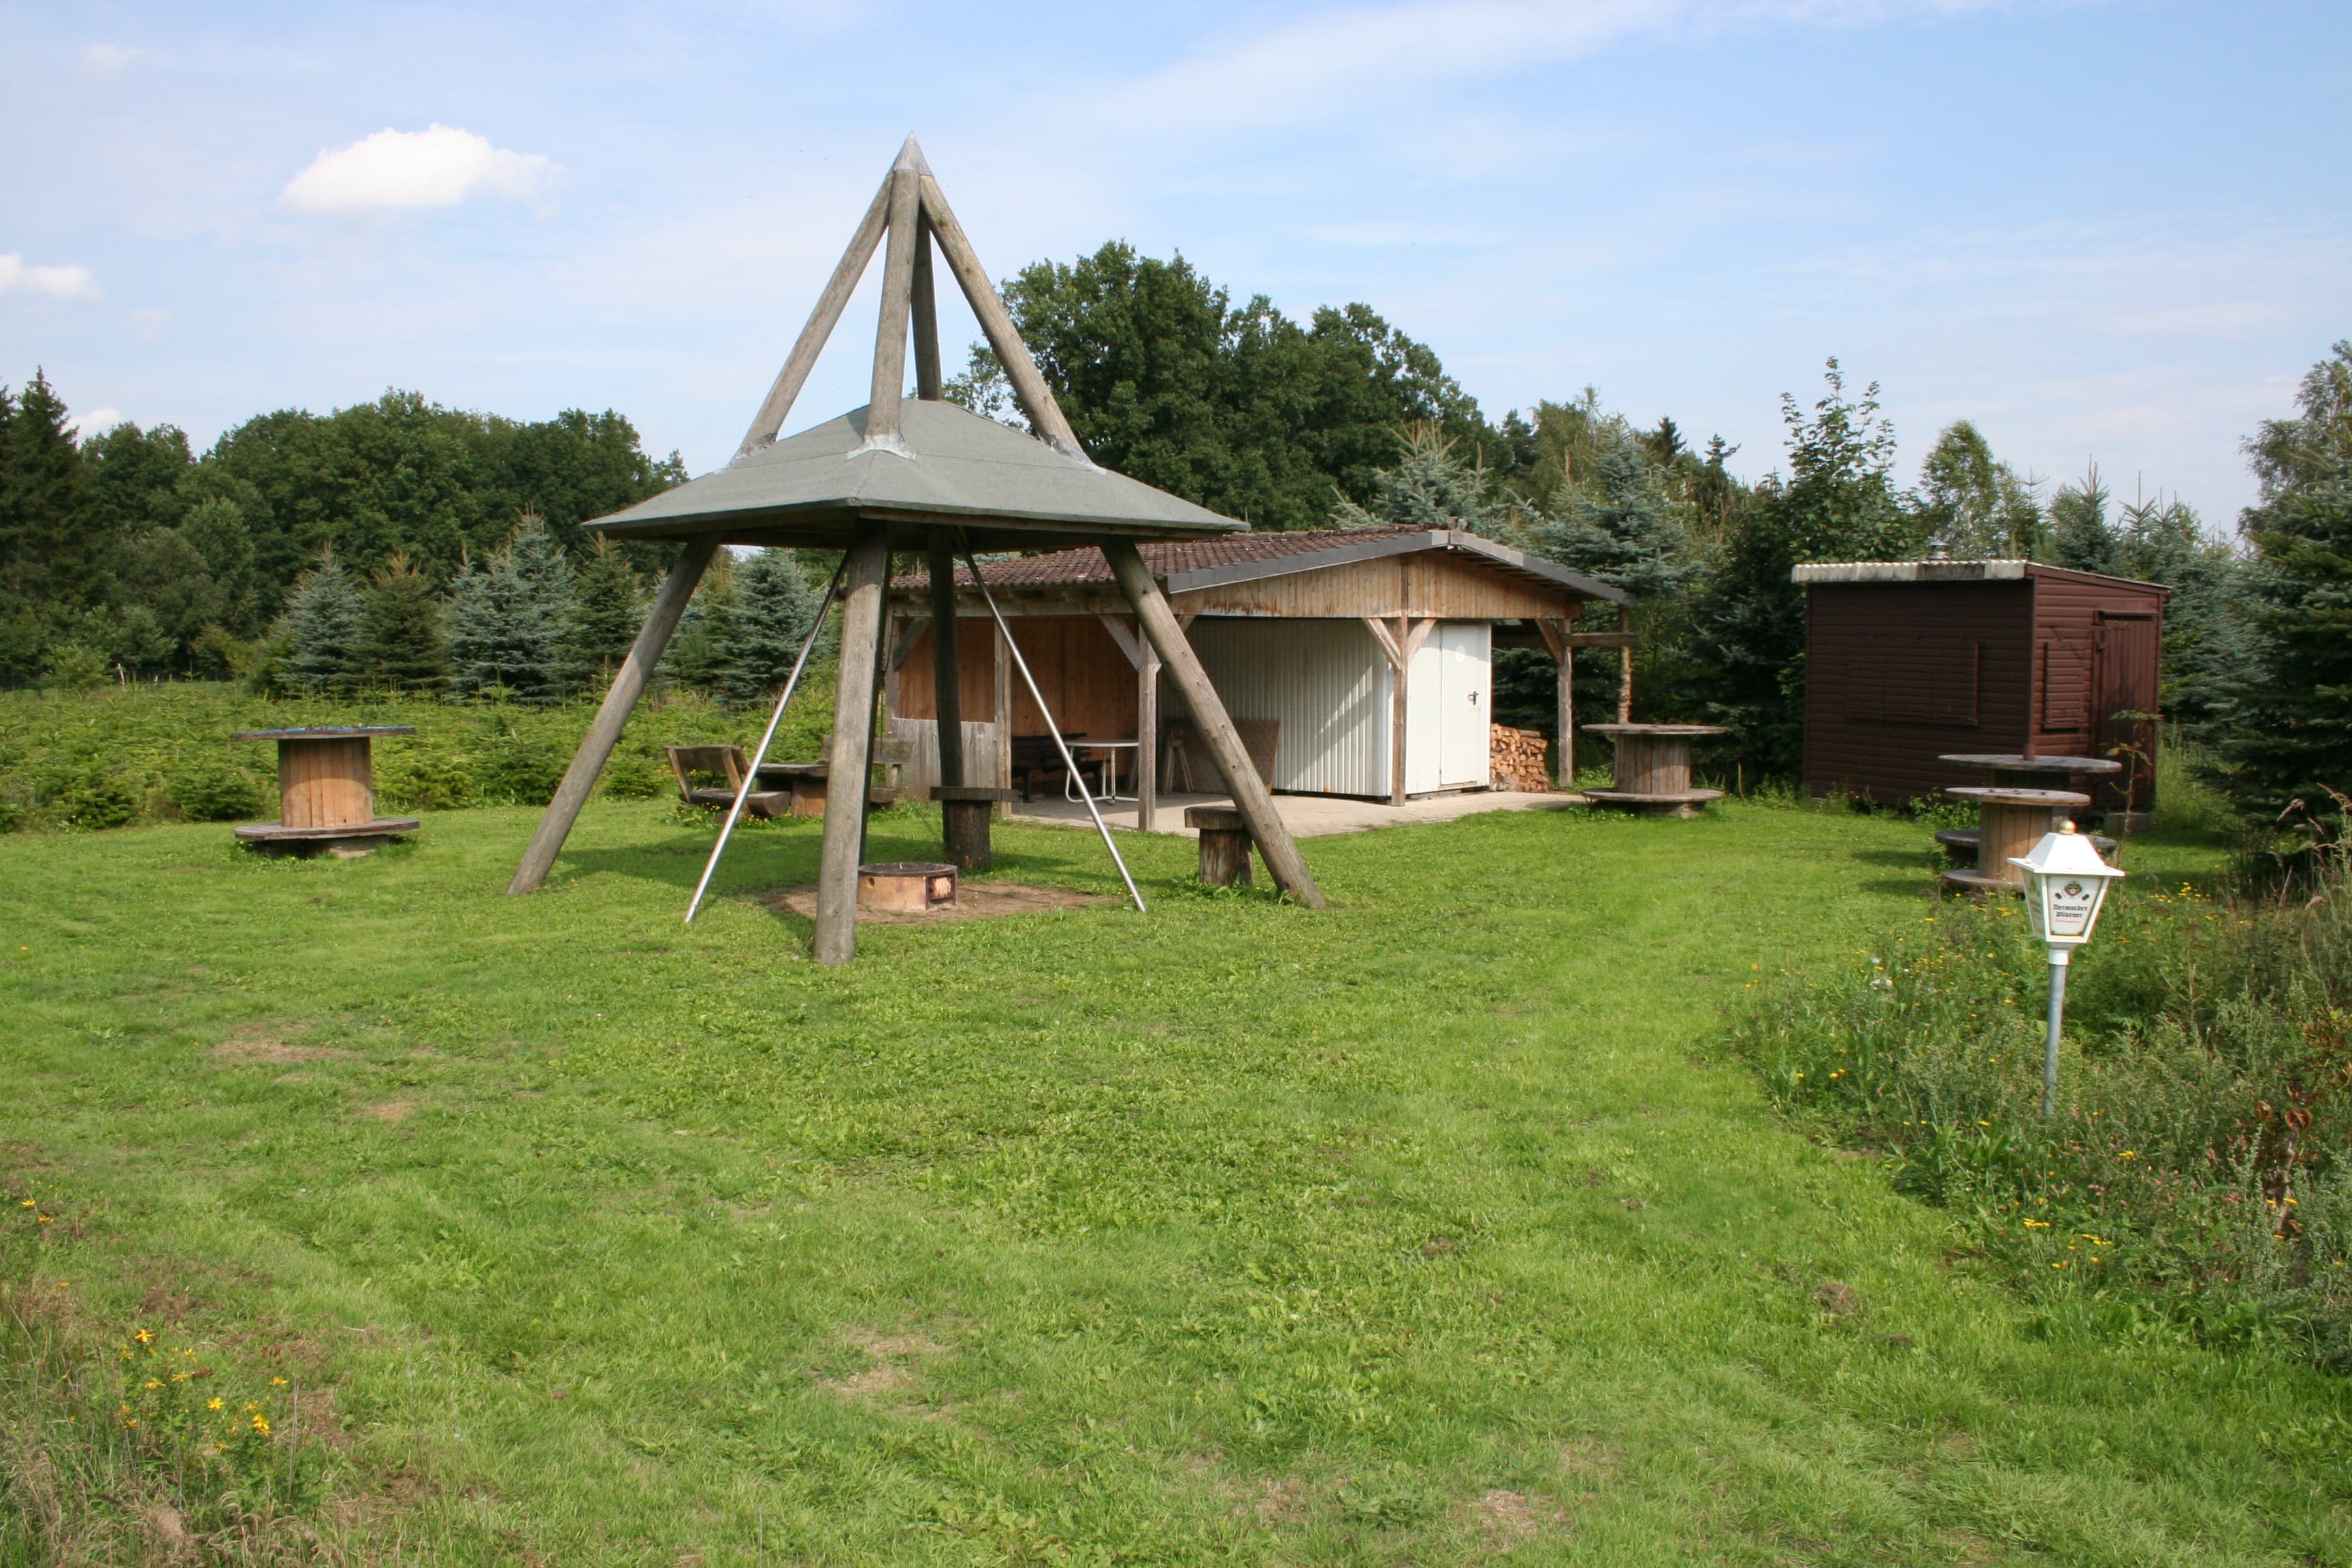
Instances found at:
x=965 y=814
x=1224 y=845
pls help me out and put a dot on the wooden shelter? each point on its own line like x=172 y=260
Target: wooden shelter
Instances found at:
x=1361 y=657
x=921 y=475
x=1908 y=662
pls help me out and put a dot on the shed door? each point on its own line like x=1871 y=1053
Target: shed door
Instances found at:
x=1446 y=698
x=2126 y=678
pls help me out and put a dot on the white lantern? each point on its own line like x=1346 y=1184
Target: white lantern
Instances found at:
x=2065 y=883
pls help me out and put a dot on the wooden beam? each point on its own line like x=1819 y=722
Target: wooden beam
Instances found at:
x=927 y=384
x=889 y=384
x=904 y=629
x=1001 y=658
x=1129 y=642
x=1562 y=642
x=1400 y=645
x=1389 y=650
x=1147 y=734
x=605 y=734
x=1224 y=743
x=1605 y=639
x=769 y=422
x=1029 y=388
x=947 y=657
x=853 y=724
x=1625 y=684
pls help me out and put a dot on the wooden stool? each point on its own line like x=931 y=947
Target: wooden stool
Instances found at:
x=2009 y=821
x=326 y=791
x=965 y=811
x=1224 y=845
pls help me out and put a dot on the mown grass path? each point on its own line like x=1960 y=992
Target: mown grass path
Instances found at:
x=1430 y=1228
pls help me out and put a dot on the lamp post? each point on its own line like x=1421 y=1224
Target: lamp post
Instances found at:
x=2065 y=883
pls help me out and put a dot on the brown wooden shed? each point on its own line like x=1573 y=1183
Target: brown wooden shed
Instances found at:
x=1906 y=661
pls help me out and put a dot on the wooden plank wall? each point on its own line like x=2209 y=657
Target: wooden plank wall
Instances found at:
x=1086 y=679
x=1898 y=673
x=1430 y=583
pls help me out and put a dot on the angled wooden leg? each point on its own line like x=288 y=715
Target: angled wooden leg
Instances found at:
x=596 y=746
x=853 y=720
x=1251 y=796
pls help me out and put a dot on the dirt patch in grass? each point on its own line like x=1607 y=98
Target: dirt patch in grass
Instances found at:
x=271 y=1042
x=893 y=1362
x=974 y=902
x=1282 y=1500
x=389 y=1110
x=1503 y=1519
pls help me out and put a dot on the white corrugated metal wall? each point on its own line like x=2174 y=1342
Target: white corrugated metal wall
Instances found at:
x=1324 y=681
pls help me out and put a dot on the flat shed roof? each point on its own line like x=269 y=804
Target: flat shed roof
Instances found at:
x=1951 y=571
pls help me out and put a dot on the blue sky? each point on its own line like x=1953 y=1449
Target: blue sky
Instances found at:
x=2111 y=231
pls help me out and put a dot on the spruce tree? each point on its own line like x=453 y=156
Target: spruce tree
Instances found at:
x=698 y=658
x=2290 y=716
x=774 y=607
x=507 y=621
x=51 y=547
x=2081 y=537
x=401 y=645
x=320 y=630
x=607 y=609
x=1430 y=485
x=1618 y=523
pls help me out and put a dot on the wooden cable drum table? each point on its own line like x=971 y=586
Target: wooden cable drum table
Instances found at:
x=326 y=791
x=2010 y=822
x=2012 y=769
x=1652 y=773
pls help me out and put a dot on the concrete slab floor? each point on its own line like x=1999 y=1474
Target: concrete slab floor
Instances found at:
x=1307 y=815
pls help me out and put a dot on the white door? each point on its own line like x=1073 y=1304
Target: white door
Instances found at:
x=1447 y=745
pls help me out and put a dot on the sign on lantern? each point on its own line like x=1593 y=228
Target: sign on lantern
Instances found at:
x=2065 y=884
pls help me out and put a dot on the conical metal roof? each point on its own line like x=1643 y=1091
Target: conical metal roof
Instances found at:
x=1010 y=490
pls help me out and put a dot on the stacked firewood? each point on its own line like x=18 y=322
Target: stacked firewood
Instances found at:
x=1516 y=760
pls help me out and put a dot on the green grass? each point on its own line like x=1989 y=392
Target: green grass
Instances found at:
x=1435 y=1227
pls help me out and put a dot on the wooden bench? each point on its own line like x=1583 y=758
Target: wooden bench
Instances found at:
x=1036 y=756
x=807 y=782
x=726 y=762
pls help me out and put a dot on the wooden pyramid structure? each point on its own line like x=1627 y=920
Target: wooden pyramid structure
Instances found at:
x=900 y=476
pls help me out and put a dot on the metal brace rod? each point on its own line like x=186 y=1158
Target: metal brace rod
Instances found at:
x=1053 y=729
x=751 y=773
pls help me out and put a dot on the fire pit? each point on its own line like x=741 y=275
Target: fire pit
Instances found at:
x=906 y=887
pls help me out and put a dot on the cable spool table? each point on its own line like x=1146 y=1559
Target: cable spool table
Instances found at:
x=326 y=791
x=2010 y=822
x=1653 y=771
x=2012 y=769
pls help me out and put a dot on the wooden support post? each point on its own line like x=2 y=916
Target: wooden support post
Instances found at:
x=1249 y=794
x=1029 y=388
x=927 y=384
x=1555 y=637
x=769 y=422
x=889 y=384
x=947 y=663
x=853 y=723
x=1398 y=644
x=1625 y=685
x=1000 y=709
x=1147 y=737
x=596 y=746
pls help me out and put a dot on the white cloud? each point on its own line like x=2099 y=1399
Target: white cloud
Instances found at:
x=106 y=60
x=97 y=419
x=439 y=167
x=57 y=282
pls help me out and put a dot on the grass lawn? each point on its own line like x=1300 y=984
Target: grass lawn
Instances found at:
x=1432 y=1228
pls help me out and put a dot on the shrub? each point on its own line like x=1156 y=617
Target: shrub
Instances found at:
x=76 y=667
x=412 y=776
x=2200 y=1160
x=101 y=798
x=218 y=793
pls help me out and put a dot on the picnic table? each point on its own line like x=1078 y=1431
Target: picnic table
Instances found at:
x=2016 y=771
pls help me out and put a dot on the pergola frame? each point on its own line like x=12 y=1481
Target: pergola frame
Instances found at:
x=907 y=216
